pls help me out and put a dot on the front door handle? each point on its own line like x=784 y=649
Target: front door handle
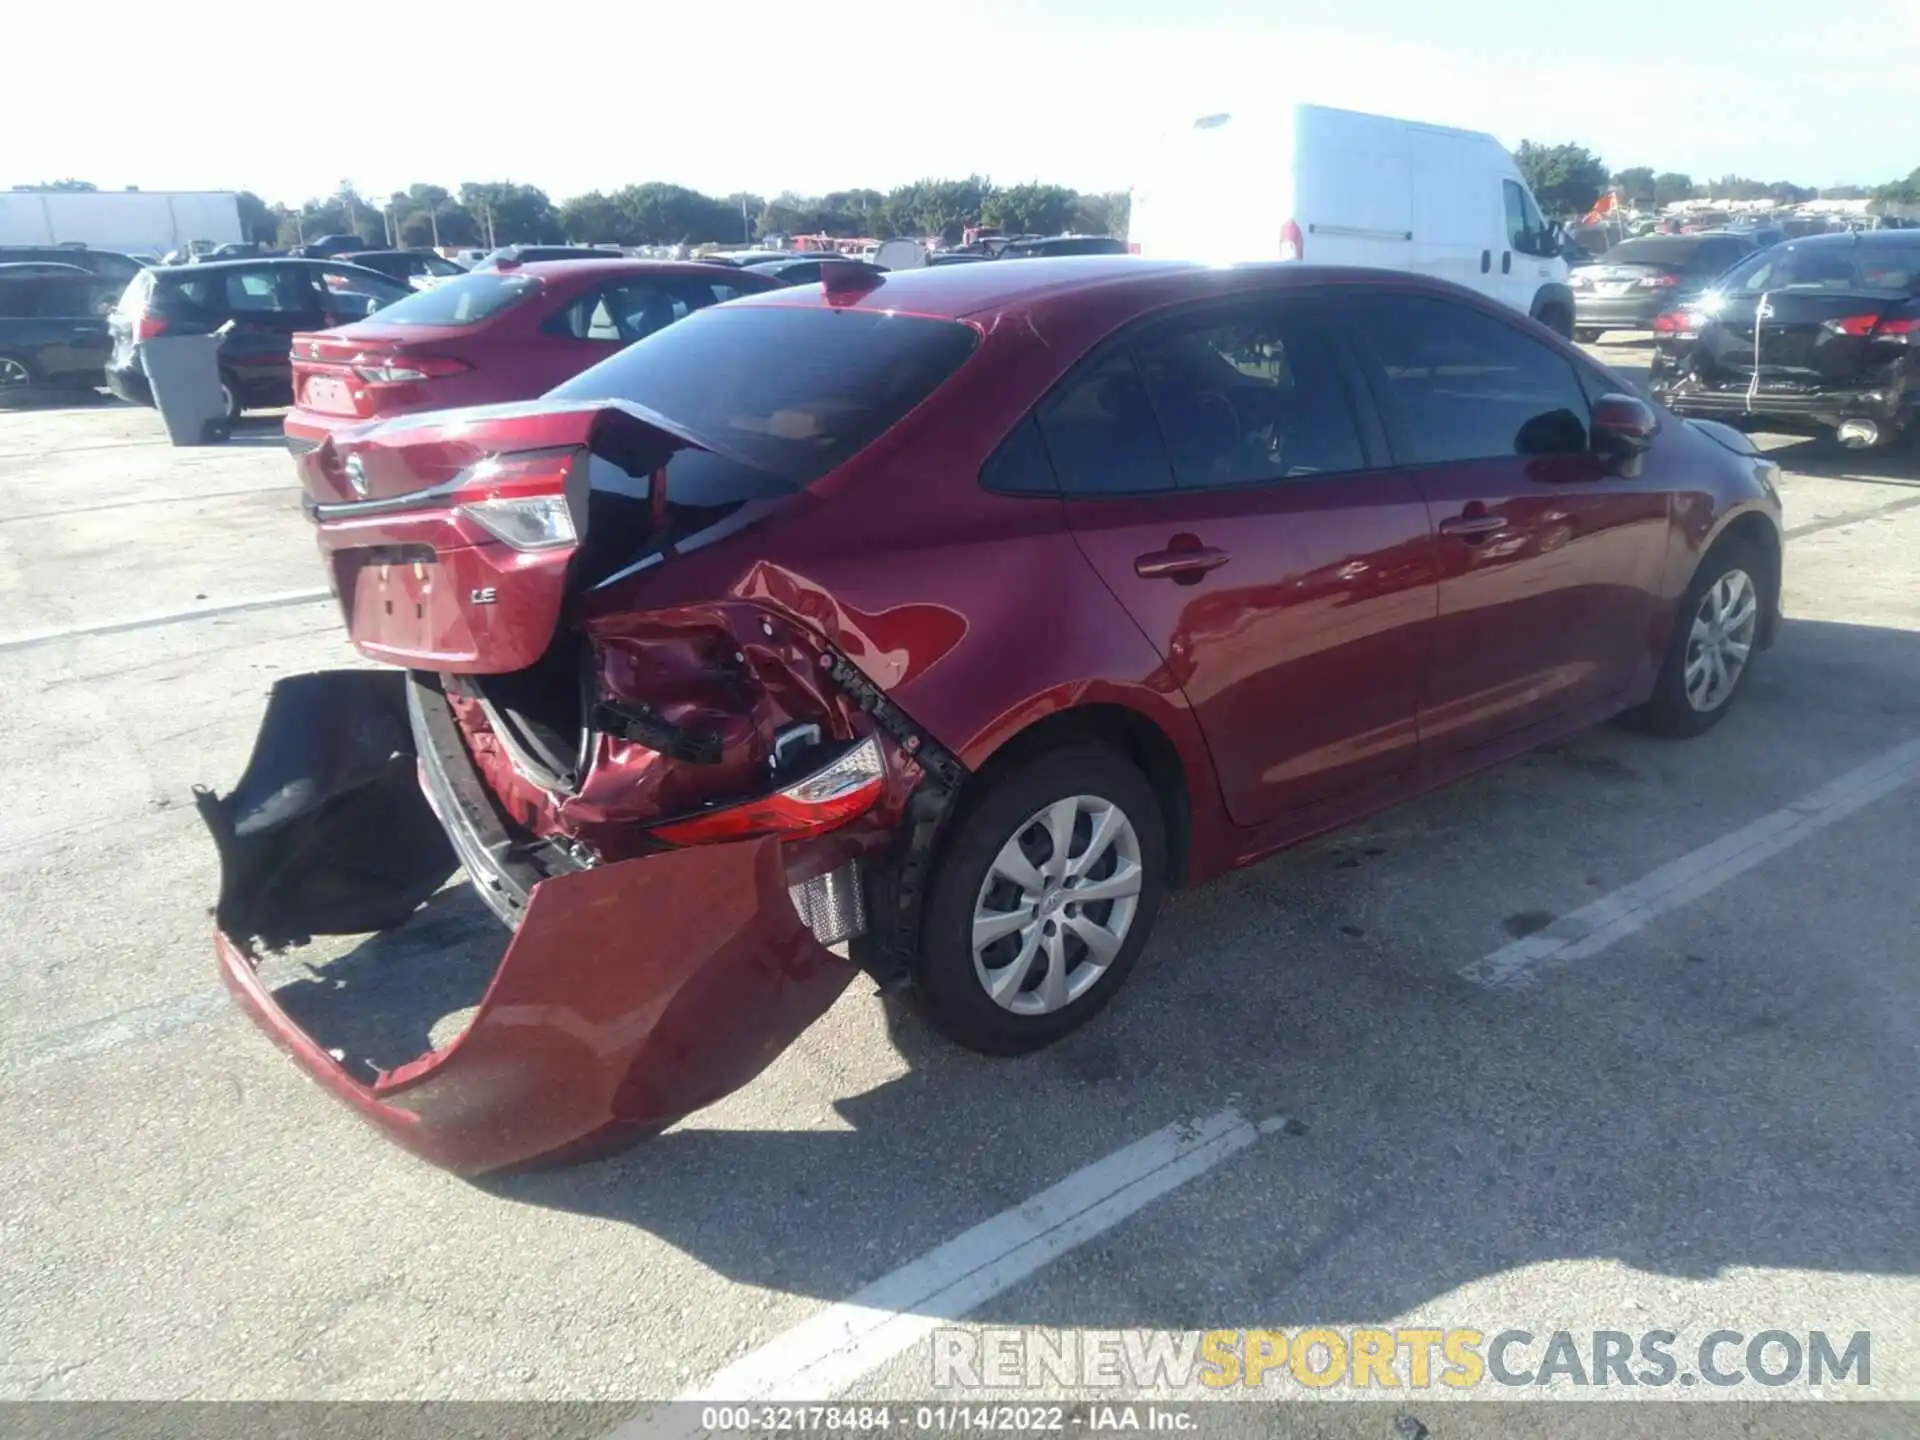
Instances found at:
x=1183 y=567
x=1506 y=262
x=1475 y=525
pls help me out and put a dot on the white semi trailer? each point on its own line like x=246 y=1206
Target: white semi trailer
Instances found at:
x=151 y=221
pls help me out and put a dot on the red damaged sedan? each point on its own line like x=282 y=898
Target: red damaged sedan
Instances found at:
x=497 y=335
x=953 y=615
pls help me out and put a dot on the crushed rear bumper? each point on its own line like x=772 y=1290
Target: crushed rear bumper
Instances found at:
x=629 y=994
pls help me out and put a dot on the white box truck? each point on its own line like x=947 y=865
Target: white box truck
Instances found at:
x=1337 y=187
x=131 y=221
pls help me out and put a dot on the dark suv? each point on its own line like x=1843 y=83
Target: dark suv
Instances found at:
x=53 y=332
x=107 y=264
x=267 y=301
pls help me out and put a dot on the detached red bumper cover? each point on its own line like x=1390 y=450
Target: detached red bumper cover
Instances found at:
x=630 y=995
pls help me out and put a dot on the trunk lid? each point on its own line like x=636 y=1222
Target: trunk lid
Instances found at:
x=1619 y=281
x=365 y=370
x=1818 y=339
x=453 y=538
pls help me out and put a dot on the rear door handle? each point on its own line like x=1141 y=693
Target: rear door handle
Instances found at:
x=1506 y=262
x=1486 y=261
x=1473 y=527
x=1183 y=566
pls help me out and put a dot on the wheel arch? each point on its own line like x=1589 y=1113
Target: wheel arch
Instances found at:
x=1121 y=727
x=1554 y=296
x=1756 y=529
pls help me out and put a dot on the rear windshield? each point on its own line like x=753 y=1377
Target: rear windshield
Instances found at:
x=791 y=391
x=1653 y=250
x=1829 y=266
x=464 y=300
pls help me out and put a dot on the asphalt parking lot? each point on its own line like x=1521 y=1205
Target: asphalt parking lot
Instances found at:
x=1467 y=1065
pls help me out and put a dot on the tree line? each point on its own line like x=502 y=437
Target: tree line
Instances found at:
x=1567 y=179
x=503 y=213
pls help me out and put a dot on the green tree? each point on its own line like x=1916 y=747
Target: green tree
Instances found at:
x=595 y=219
x=1736 y=187
x=1901 y=192
x=1102 y=214
x=659 y=214
x=1844 y=192
x=1672 y=185
x=1032 y=209
x=1565 y=179
x=520 y=214
x=1635 y=185
x=1785 y=192
x=46 y=186
x=937 y=207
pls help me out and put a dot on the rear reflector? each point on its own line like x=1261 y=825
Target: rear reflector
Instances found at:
x=1679 y=322
x=833 y=906
x=145 y=327
x=825 y=800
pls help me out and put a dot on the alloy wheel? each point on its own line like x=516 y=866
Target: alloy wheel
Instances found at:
x=1721 y=639
x=13 y=373
x=1056 y=905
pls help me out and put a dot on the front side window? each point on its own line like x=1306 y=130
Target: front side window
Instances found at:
x=1248 y=397
x=1457 y=384
x=1825 y=266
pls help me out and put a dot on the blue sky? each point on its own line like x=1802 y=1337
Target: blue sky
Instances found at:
x=766 y=97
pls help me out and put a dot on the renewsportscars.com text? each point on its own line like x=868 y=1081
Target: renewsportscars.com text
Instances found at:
x=1361 y=1358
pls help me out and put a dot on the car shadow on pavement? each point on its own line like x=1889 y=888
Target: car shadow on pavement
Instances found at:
x=380 y=1004
x=1731 y=1093
x=1824 y=457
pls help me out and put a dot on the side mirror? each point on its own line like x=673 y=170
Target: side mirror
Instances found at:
x=1624 y=425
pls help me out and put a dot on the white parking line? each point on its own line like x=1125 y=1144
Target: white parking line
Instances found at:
x=166 y=617
x=823 y=1355
x=1592 y=928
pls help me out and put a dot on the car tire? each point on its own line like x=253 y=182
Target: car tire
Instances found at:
x=230 y=393
x=17 y=379
x=1587 y=335
x=1054 y=991
x=1678 y=708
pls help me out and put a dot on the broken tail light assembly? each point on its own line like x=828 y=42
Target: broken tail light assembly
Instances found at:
x=832 y=905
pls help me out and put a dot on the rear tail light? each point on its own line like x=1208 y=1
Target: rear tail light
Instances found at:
x=145 y=326
x=1659 y=282
x=1293 y=245
x=838 y=792
x=1133 y=247
x=1864 y=326
x=523 y=499
x=400 y=369
x=1679 y=322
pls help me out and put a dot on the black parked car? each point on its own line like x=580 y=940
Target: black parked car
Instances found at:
x=1639 y=279
x=805 y=269
x=409 y=266
x=108 y=264
x=1063 y=245
x=1822 y=332
x=268 y=300
x=325 y=247
x=53 y=331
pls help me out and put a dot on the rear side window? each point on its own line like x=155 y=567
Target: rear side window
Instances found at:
x=629 y=309
x=1252 y=397
x=1716 y=255
x=266 y=291
x=791 y=390
x=1677 y=251
x=1099 y=429
x=464 y=300
x=1458 y=385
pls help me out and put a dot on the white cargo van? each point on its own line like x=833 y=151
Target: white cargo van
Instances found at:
x=1336 y=187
